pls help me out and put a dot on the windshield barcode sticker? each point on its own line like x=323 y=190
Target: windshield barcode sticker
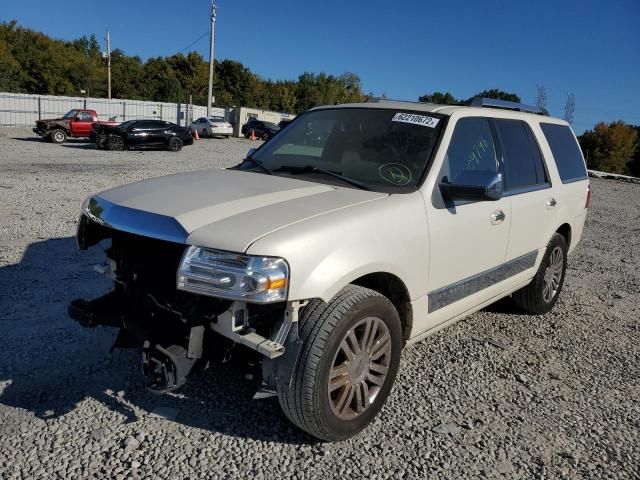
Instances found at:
x=422 y=120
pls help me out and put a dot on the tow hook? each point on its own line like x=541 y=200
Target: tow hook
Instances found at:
x=166 y=369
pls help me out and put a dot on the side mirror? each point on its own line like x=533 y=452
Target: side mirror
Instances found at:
x=250 y=152
x=473 y=185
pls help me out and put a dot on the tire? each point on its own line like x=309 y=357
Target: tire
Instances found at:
x=324 y=328
x=116 y=143
x=175 y=144
x=58 y=136
x=204 y=133
x=541 y=295
x=101 y=141
x=266 y=136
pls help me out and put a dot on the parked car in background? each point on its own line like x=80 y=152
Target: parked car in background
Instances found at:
x=284 y=123
x=261 y=129
x=141 y=134
x=212 y=127
x=76 y=123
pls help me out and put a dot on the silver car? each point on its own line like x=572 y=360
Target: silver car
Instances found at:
x=212 y=127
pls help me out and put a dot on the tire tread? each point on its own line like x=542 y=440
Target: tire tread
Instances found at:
x=317 y=322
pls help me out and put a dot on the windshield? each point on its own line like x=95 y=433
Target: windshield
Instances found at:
x=384 y=149
x=127 y=124
x=70 y=114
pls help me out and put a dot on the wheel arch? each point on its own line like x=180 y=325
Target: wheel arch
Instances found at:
x=565 y=231
x=395 y=290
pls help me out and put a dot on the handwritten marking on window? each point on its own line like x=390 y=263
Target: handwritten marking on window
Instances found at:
x=478 y=150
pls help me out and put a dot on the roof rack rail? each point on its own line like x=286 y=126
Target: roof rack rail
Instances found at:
x=384 y=99
x=495 y=103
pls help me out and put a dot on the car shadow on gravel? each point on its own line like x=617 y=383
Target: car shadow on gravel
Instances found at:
x=69 y=141
x=505 y=305
x=52 y=367
x=85 y=145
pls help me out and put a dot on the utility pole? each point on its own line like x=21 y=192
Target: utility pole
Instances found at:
x=211 y=38
x=108 y=66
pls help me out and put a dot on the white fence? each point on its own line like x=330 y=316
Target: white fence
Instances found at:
x=22 y=110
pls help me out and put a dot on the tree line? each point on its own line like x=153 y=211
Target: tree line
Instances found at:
x=32 y=62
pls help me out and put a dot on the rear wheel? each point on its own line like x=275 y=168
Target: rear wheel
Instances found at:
x=58 y=136
x=266 y=136
x=541 y=295
x=175 y=144
x=347 y=365
x=204 y=133
x=115 y=143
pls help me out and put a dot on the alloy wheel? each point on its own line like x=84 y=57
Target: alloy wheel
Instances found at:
x=359 y=368
x=553 y=274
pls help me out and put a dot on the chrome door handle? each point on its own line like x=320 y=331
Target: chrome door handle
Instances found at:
x=497 y=217
x=551 y=203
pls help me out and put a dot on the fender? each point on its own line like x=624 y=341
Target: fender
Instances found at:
x=328 y=252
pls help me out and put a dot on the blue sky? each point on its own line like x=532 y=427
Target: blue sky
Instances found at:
x=401 y=48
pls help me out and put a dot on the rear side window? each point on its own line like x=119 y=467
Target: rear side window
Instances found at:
x=471 y=148
x=566 y=152
x=522 y=159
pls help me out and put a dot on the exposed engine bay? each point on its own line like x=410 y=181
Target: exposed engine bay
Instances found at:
x=177 y=329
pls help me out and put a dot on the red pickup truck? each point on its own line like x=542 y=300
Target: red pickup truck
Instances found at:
x=75 y=123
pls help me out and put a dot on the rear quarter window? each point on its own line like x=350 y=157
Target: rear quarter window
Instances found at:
x=566 y=152
x=522 y=158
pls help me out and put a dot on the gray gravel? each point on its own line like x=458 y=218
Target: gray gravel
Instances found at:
x=498 y=395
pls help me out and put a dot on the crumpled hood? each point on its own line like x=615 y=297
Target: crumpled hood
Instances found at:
x=225 y=209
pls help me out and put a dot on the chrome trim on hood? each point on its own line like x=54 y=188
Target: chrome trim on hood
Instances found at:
x=134 y=221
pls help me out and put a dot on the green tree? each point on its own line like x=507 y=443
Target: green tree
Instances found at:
x=499 y=95
x=440 y=98
x=610 y=147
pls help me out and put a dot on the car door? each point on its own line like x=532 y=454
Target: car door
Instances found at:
x=160 y=132
x=527 y=185
x=139 y=134
x=467 y=239
x=81 y=126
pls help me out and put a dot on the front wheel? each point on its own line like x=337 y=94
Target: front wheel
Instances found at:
x=175 y=144
x=347 y=365
x=541 y=295
x=58 y=136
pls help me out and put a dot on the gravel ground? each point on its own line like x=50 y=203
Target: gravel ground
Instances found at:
x=499 y=395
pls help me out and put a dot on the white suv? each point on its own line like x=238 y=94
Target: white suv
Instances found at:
x=357 y=230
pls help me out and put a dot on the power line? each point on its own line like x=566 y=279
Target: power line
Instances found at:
x=195 y=41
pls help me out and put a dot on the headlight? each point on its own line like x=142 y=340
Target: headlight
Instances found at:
x=233 y=276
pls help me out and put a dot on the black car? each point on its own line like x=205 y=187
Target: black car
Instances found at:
x=139 y=134
x=284 y=123
x=261 y=129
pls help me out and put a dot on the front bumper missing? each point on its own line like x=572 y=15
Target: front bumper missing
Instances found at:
x=167 y=365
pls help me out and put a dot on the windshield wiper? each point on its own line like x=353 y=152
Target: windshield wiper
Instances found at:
x=295 y=169
x=258 y=163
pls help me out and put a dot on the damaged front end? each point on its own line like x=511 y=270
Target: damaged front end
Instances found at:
x=183 y=305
